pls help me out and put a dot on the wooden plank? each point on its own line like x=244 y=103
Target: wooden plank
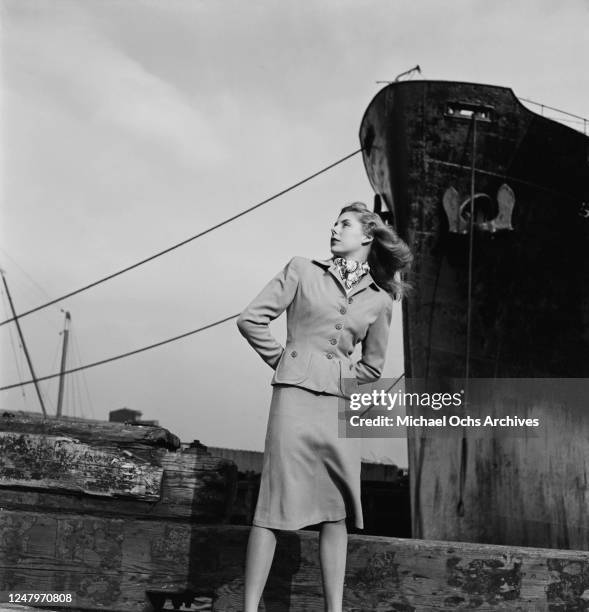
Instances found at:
x=92 y=432
x=112 y=563
x=194 y=487
x=62 y=464
x=411 y=575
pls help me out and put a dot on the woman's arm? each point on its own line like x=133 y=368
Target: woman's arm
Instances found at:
x=374 y=346
x=253 y=322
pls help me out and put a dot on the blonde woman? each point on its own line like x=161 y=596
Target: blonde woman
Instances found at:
x=310 y=475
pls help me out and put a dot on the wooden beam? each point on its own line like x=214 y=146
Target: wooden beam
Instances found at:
x=113 y=563
x=65 y=465
x=93 y=432
x=193 y=487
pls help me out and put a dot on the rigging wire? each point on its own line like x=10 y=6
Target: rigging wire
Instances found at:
x=49 y=389
x=16 y=354
x=74 y=337
x=25 y=293
x=33 y=281
x=183 y=242
x=464 y=442
x=26 y=289
x=121 y=356
x=49 y=396
x=77 y=390
x=78 y=405
x=579 y=119
x=77 y=398
x=67 y=400
x=558 y=110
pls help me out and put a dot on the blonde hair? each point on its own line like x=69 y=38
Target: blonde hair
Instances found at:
x=389 y=256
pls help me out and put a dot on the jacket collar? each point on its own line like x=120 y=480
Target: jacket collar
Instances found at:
x=366 y=280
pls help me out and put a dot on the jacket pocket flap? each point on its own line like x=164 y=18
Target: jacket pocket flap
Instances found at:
x=293 y=366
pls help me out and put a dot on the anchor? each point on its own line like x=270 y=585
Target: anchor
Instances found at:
x=458 y=214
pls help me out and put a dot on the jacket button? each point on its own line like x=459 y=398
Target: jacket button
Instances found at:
x=351 y=366
x=329 y=355
x=350 y=352
x=342 y=310
x=293 y=354
x=338 y=325
x=333 y=341
x=350 y=300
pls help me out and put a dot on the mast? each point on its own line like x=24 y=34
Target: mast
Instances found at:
x=66 y=332
x=24 y=344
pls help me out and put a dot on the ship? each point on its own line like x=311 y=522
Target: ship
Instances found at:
x=493 y=200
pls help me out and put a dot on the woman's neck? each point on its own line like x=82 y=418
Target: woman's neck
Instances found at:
x=352 y=256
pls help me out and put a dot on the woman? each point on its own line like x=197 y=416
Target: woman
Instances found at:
x=310 y=475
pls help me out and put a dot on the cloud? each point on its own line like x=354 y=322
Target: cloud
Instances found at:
x=80 y=71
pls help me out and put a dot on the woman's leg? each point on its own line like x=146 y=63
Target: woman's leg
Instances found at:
x=260 y=552
x=333 y=547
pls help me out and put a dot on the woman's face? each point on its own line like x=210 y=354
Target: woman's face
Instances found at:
x=347 y=235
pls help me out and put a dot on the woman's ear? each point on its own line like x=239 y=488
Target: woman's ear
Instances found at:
x=367 y=239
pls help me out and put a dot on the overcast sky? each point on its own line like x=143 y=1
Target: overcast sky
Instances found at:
x=128 y=126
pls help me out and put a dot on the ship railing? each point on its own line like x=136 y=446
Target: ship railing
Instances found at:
x=577 y=122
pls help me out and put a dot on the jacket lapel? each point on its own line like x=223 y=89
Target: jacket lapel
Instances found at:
x=364 y=282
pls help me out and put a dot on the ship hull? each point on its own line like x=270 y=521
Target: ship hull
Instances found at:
x=504 y=295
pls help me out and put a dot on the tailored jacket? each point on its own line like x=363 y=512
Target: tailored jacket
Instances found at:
x=324 y=323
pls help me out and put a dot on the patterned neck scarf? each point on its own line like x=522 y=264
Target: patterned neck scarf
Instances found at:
x=350 y=270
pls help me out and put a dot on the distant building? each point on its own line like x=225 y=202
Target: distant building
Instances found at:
x=126 y=415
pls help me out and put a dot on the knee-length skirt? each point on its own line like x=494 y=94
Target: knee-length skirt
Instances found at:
x=310 y=474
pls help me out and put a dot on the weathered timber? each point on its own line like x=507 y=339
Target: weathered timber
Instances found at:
x=65 y=465
x=414 y=576
x=92 y=432
x=194 y=487
x=56 y=465
x=112 y=563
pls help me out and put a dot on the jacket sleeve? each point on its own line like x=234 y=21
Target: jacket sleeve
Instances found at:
x=253 y=321
x=374 y=346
